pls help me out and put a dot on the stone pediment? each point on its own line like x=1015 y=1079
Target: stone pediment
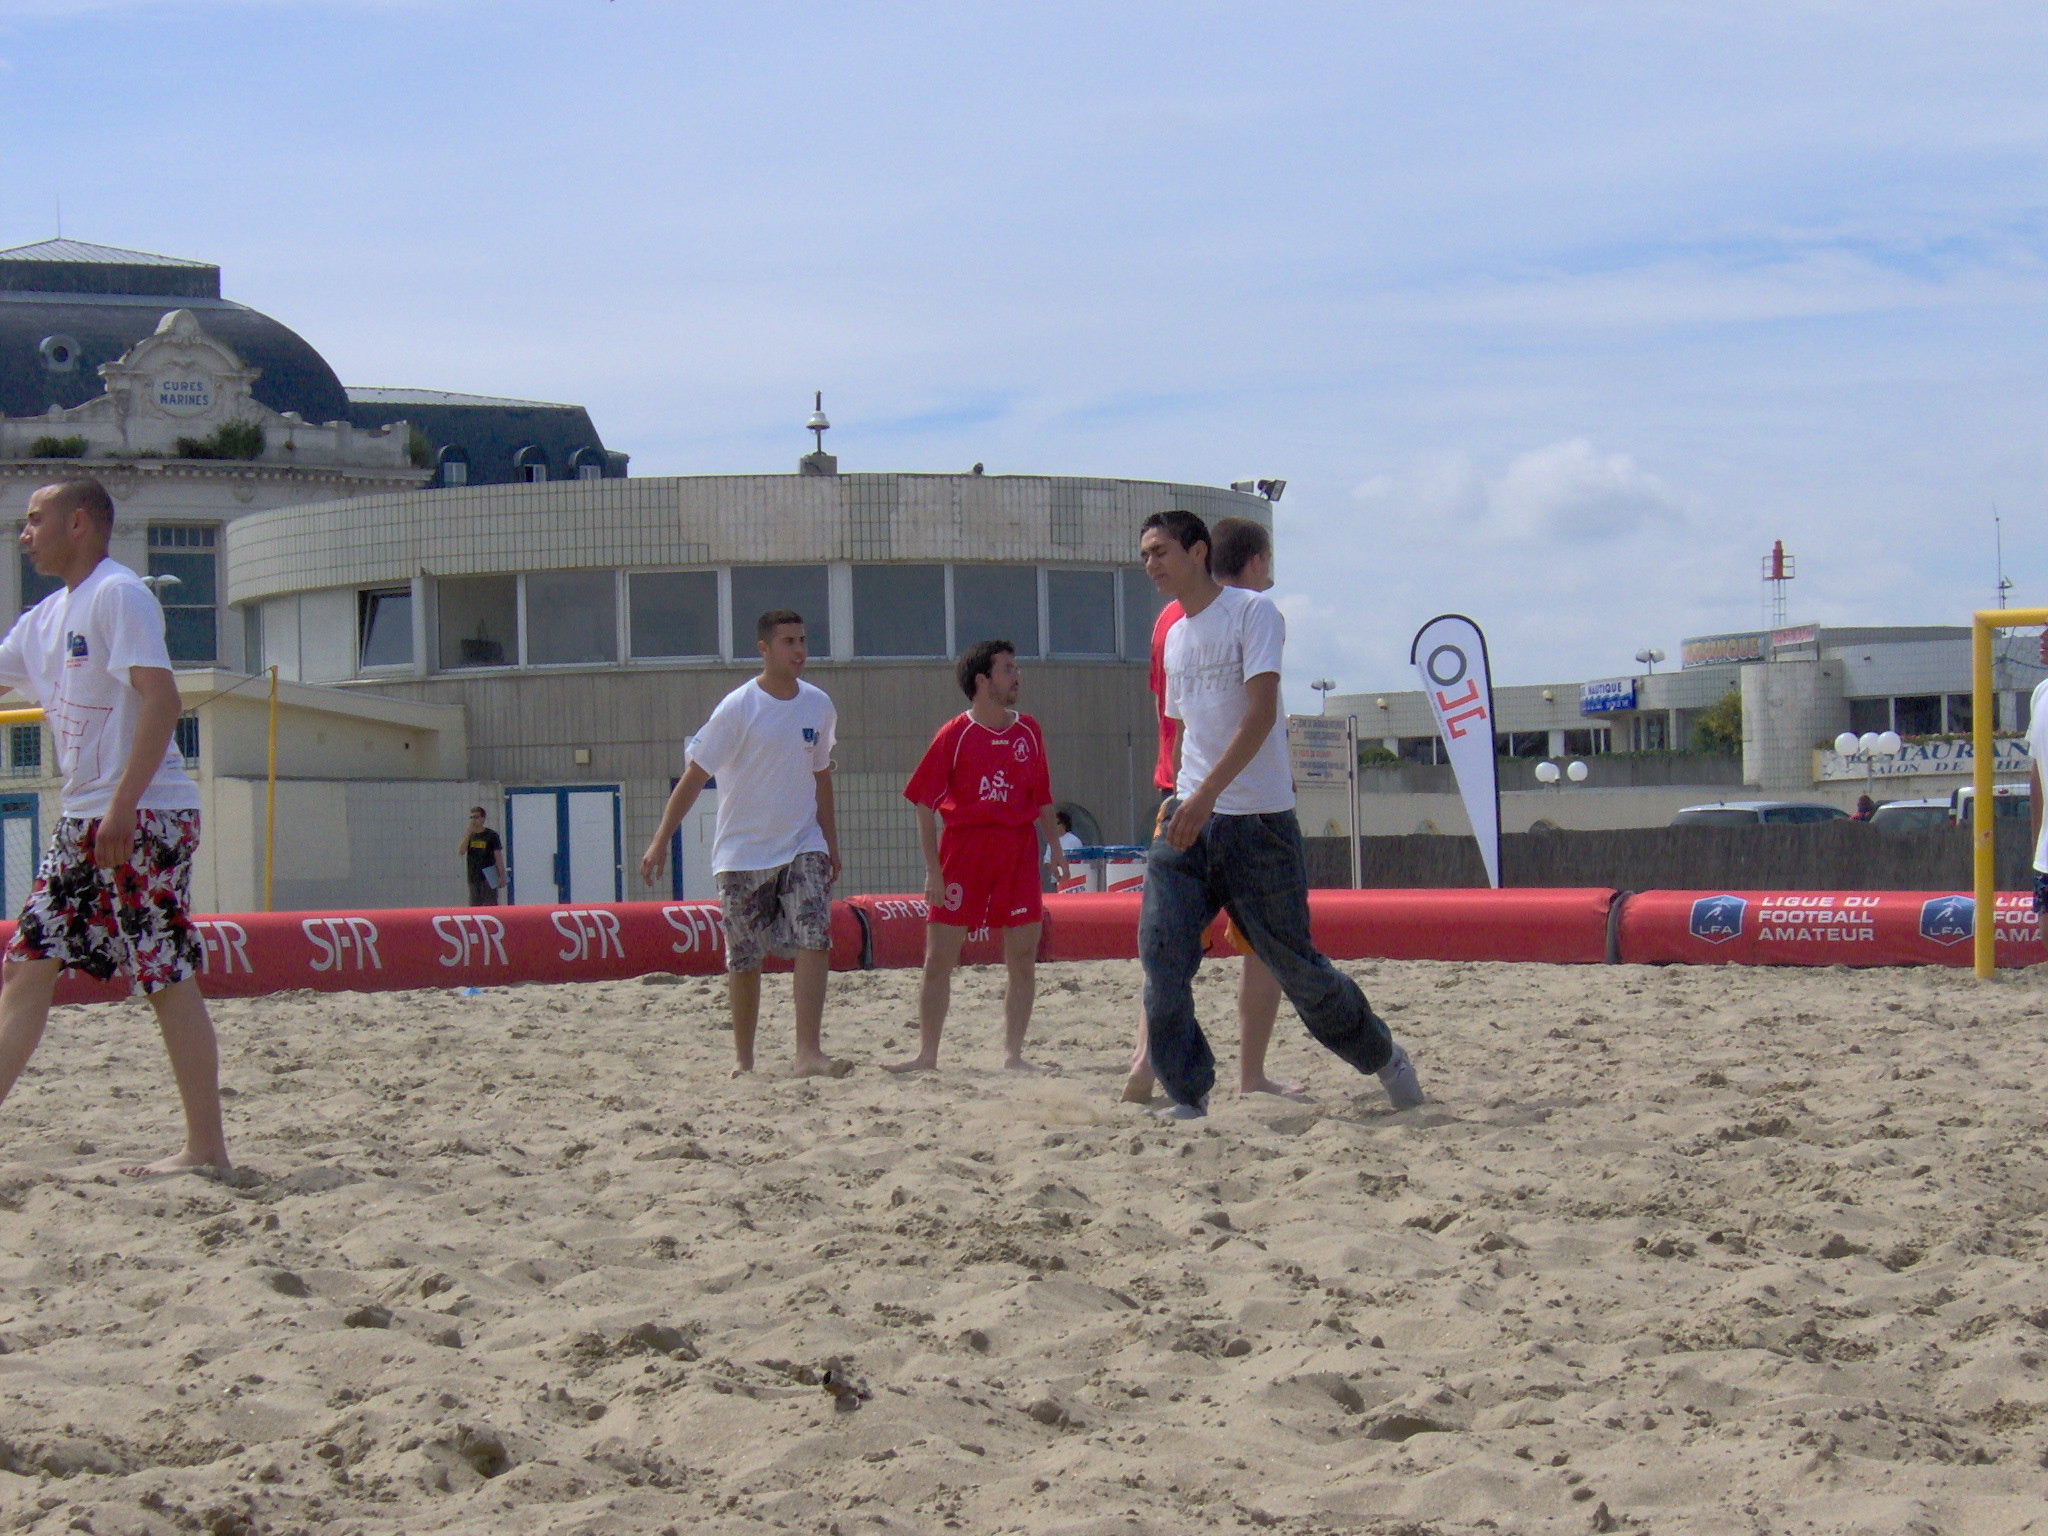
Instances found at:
x=179 y=382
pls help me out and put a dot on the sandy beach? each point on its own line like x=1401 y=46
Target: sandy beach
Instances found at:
x=1672 y=1250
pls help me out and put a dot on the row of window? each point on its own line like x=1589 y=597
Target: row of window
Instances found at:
x=531 y=462
x=1922 y=714
x=184 y=568
x=574 y=618
x=25 y=746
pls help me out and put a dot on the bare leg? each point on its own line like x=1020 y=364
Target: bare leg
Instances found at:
x=25 y=990
x=1138 y=1085
x=187 y=1029
x=1020 y=990
x=743 y=992
x=942 y=943
x=812 y=966
x=1258 y=1005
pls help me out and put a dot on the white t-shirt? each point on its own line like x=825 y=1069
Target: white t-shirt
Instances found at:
x=2037 y=745
x=764 y=752
x=1209 y=658
x=71 y=654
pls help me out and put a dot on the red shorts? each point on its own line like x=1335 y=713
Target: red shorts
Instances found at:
x=990 y=875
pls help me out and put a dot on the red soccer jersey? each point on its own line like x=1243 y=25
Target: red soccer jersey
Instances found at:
x=975 y=777
x=1162 y=772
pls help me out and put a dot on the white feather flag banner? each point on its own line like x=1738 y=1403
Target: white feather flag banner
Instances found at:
x=1450 y=653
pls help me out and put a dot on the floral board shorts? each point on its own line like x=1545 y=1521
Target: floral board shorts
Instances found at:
x=132 y=920
x=776 y=911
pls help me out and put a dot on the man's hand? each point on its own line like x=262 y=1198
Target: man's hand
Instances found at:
x=114 y=845
x=1060 y=869
x=653 y=861
x=934 y=887
x=1189 y=817
x=832 y=853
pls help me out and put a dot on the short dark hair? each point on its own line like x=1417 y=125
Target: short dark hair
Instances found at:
x=979 y=660
x=1239 y=541
x=766 y=625
x=1184 y=528
x=477 y=810
x=1065 y=820
x=86 y=495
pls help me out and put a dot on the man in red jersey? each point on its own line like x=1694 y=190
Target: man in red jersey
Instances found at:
x=985 y=777
x=1242 y=557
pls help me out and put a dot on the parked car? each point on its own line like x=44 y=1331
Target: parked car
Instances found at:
x=2009 y=802
x=1911 y=815
x=1751 y=813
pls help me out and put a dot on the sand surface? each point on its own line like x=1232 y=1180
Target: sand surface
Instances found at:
x=1675 y=1251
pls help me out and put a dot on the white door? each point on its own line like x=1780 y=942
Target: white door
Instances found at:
x=563 y=844
x=18 y=872
x=593 y=844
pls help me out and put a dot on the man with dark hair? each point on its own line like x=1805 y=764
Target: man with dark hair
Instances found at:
x=985 y=776
x=1183 y=527
x=1228 y=839
x=483 y=853
x=113 y=891
x=1242 y=557
x=775 y=851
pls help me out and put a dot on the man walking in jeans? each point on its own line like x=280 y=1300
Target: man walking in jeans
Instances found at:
x=1228 y=839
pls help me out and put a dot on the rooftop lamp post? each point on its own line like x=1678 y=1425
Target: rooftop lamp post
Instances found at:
x=1323 y=685
x=1868 y=748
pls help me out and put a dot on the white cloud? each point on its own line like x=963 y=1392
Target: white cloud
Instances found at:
x=1572 y=491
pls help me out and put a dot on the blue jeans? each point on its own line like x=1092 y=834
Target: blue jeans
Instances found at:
x=1251 y=867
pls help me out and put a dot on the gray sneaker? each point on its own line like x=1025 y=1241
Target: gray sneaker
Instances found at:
x=1179 y=1111
x=1404 y=1089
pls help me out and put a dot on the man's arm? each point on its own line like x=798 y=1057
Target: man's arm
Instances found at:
x=928 y=845
x=1262 y=712
x=155 y=719
x=498 y=853
x=828 y=822
x=680 y=799
x=2034 y=807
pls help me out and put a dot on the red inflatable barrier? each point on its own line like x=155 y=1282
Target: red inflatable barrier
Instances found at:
x=253 y=954
x=1568 y=927
x=1821 y=928
x=895 y=929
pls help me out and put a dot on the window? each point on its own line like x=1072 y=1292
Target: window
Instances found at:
x=587 y=463
x=479 y=621
x=454 y=465
x=531 y=463
x=25 y=750
x=1142 y=602
x=1917 y=715
x=1870 y=715
x=384 y=627
x=1418 y=749
x=673 y=613
x=996 y=602
x=758 y=588
x=34 y=586
x=1959 y=712
x=1587 y=743
x=186 y=556
x=571 y=617
x=899 y=610
x=1081 y=610
x=252 y=639
x=185 y=737
x=1522 y=744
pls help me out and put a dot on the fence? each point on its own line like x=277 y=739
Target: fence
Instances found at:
x=1831 y=856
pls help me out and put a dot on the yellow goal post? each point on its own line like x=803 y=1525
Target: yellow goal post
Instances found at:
x=1984 y=924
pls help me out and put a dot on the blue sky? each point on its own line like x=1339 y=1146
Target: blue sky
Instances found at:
x=1553 y=314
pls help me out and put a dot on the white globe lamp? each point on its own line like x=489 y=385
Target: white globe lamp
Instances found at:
x=1845 y=744
x=1546 y=773
x=1576 y=772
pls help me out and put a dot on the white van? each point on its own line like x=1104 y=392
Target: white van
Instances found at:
x=2009 y=802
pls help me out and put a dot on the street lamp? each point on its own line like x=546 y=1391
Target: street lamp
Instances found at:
x=1650 y=658
x=1868 y=748
x=1323 y=685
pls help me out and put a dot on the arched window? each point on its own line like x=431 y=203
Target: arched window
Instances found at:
x=532 y=463
x=454 y=463
x=587 y=464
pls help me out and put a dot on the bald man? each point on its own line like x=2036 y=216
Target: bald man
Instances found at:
x=112 y=895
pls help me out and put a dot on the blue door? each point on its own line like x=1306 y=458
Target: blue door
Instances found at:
x=20 y=835
x=562 y=845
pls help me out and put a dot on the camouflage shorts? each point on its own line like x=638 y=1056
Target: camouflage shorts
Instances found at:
x=133 y=919
x=776 y=911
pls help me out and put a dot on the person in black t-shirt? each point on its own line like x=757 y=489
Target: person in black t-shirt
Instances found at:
x=484 y=851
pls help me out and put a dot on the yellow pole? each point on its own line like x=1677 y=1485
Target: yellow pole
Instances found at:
x=270 y=795
x=21 y=717
x=1983 y=821
x=1983 y=924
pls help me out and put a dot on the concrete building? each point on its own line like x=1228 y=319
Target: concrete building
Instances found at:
x=1799 y=687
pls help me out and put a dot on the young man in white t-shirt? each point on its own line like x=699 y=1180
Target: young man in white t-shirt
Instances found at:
x=2037 y=750
x=775 y=851
x=112 y=895
x=1228 y=838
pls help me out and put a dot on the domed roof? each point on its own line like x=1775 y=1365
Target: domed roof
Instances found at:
x=67 y=307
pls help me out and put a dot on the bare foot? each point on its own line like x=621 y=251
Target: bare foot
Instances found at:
x=820 y=1066
x=1019 y=1064
x=745 y=1070
x=915 y=1064
x=1137 y=1089
x=1279 y=1090
x=177 y=1162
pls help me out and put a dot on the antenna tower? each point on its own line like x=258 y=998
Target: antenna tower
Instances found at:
x=1779 y=568
x=1998 y=532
